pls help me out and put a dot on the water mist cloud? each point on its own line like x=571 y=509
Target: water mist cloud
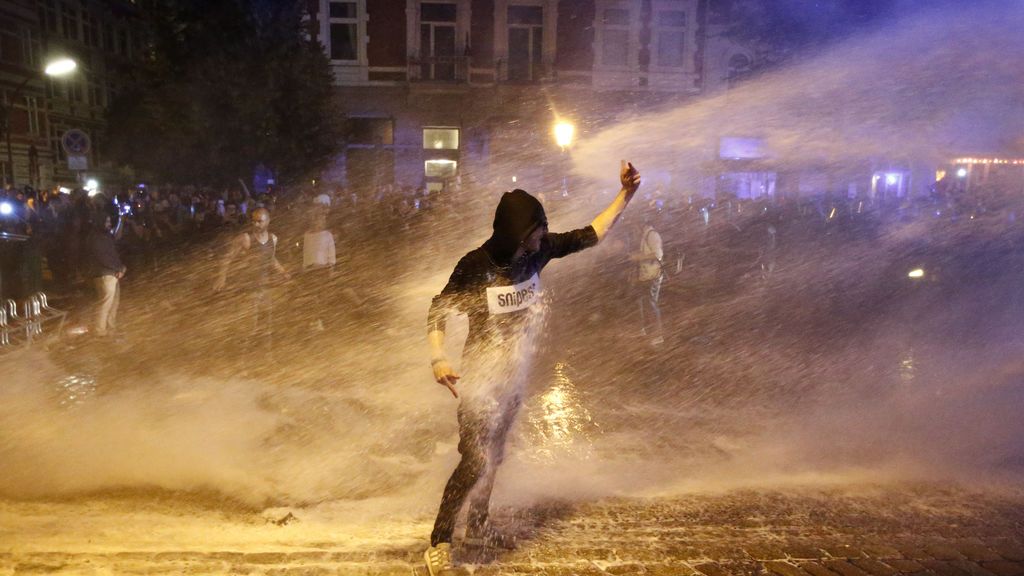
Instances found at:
x=934 y=85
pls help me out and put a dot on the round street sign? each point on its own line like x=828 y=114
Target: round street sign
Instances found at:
x=75 y=142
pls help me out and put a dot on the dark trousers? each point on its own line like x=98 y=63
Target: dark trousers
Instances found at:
x=482 y=435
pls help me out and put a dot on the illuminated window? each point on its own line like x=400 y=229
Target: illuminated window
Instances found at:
x=440 y=138
x=440 y=168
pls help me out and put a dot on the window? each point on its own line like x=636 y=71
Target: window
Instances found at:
x=122 y=42
x=32 y=106
x=615 y=37
x=371 y=131
x=437 y=40
x=137 y=45
x=56 y=132
x=440 y=168
x=440 y=138
x=95 y=94
x=77 y=90
x=11 y=47
x=108 y=37
x=34 y=47
x=48 y=16
x=670 y=37
x=525 y=43
x=343 y=10
x=90 y=30
x=344 y=30
x=739 y=63
x=69 y=21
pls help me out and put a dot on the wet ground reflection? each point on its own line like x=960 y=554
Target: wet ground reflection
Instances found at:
x=559 y=421
x=76 y=389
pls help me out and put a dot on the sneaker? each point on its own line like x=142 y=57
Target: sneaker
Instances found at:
x=488 y=537
x=439 y=560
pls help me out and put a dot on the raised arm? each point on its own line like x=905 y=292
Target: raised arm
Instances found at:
x=630 y=179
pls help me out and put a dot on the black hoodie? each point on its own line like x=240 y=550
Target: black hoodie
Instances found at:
x=492 y=289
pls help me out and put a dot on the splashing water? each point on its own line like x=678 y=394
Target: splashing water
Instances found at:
x=834 y=370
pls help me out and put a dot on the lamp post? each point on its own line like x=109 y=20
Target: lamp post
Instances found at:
x=564 y=132
x=54 y=68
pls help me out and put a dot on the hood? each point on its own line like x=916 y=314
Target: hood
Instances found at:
x=518 y=214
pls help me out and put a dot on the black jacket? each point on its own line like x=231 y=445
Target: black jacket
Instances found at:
x=102 y=256
x=488 y=286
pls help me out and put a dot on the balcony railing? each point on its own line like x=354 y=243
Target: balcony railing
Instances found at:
x=452 y=69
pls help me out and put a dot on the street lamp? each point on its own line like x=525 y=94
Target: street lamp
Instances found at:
x=564 y=132
x=60 y=67
x=57 y=67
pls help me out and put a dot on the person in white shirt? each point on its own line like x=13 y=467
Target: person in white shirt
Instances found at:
x=318 y=251
x=649 y=277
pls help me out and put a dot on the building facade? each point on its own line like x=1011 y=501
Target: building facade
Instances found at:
x=99 y=36
x=440 y=90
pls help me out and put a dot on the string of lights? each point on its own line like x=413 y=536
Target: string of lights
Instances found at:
x=1008 y=161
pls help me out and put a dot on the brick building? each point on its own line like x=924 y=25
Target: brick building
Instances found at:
x=98 y=35
x=434 y=89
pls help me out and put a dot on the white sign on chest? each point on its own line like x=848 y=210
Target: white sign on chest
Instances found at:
x=505 y=299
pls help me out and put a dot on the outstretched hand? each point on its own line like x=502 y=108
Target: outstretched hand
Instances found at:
x=445 y=376
x=629 y=176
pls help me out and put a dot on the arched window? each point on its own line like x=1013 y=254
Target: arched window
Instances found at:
x=738 y=64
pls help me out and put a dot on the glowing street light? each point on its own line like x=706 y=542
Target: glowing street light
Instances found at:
x=962 y=172
x=564 y=132
x=57 y=67
x=916 y=273
x=60 y=67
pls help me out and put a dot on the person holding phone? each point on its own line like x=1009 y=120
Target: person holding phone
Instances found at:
x=498 y=286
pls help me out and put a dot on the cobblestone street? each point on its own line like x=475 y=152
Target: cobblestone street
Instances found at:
x=872 y=531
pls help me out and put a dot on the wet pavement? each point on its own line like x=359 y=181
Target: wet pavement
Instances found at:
x=865 y=531
x=831 y=364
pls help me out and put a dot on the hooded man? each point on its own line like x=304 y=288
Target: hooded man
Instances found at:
x=497 y=286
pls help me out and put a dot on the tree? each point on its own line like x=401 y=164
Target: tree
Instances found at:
x=226 y=85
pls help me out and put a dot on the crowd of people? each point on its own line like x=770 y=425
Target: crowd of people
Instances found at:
x=50 y=232
x=53 y=226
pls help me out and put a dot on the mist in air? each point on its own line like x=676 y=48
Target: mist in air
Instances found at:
x=836 y=369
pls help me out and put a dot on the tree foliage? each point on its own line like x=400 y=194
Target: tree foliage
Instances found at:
x=226 y=85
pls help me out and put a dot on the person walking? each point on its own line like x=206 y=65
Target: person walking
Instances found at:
x=498 y=286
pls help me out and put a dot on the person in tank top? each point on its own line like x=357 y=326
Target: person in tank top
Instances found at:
x=257 y=250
